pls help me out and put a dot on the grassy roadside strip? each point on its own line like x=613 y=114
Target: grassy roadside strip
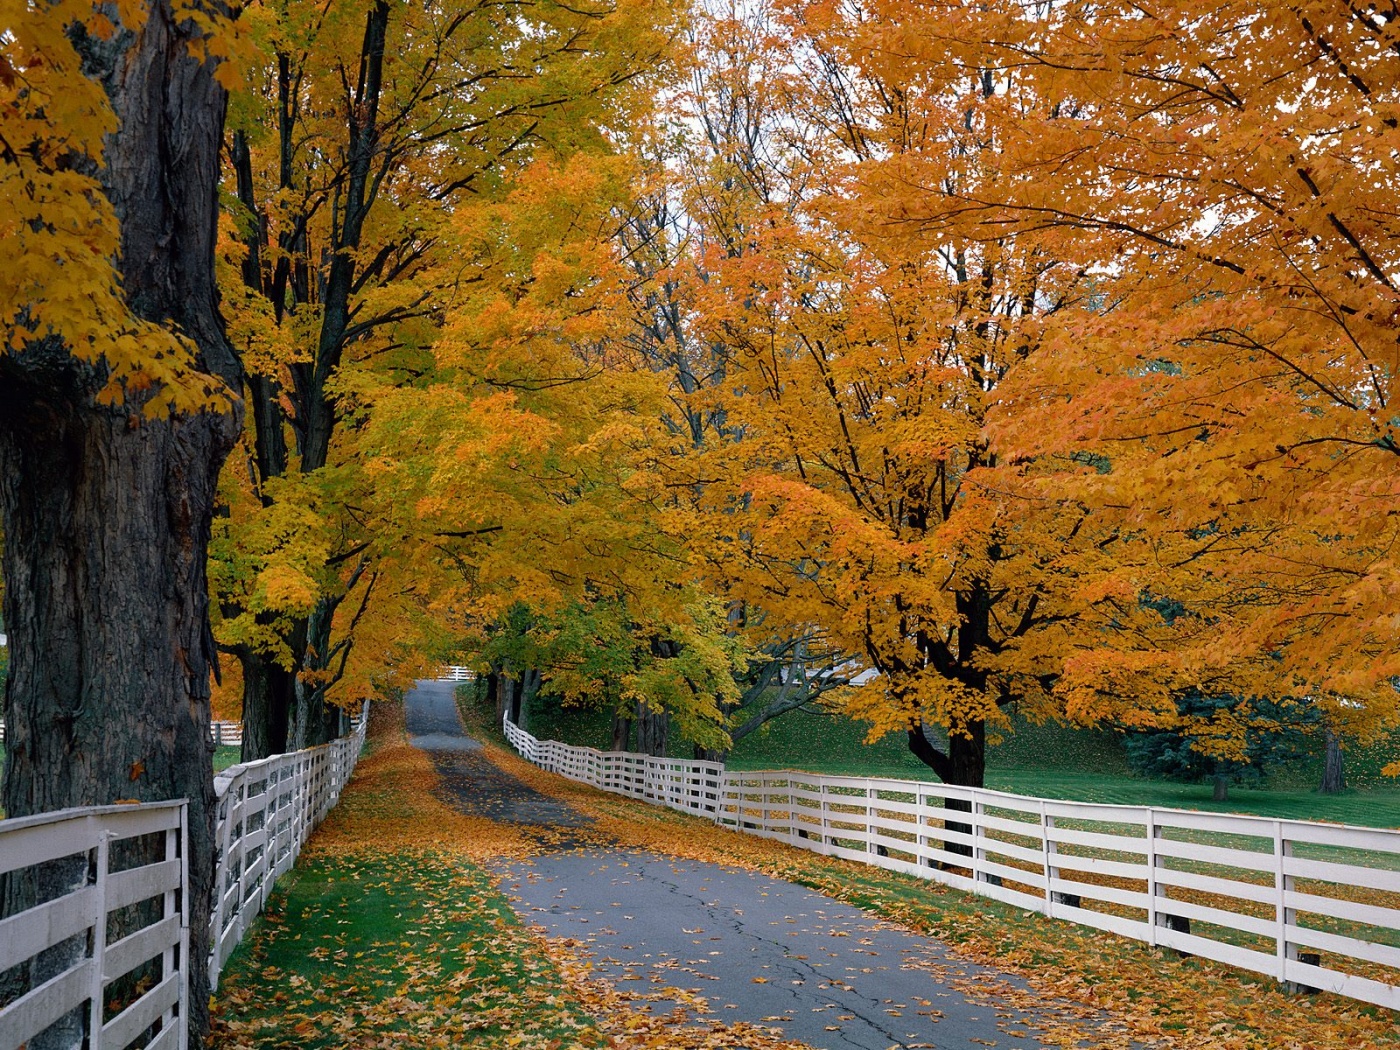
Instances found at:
x=390 y=933
x=1155 y=998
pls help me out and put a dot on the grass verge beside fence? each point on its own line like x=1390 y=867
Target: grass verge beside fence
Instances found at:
x=388 y=932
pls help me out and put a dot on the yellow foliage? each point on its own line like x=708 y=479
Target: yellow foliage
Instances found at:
x=59 y=227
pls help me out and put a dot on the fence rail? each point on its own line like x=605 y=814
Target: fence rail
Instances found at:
x=105 y=934
x=222 y=733
x=100 y=871
x=1316 y=906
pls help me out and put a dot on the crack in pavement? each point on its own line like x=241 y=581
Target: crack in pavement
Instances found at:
x=799 y=967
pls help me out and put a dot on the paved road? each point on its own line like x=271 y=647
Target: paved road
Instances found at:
x=755 y=948
x=474 y=784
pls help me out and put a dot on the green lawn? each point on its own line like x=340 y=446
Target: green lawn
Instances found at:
x=1049 y=761
x=393 y=949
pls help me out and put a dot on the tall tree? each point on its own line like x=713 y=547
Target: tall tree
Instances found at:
x=856 y=488
x=383 y=120
x=1231 y=167
x=117 y=408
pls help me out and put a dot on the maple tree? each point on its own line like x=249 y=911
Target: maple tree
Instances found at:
x=1029 y=336
x=517 y=459
x=1229 y=169
x=834 y=474
x=118 y=394
x=379 y=123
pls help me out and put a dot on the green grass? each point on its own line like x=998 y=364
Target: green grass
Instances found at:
x=225 y=756
x=403 y=949
x=1049 y=761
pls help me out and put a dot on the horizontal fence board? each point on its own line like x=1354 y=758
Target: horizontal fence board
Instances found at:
x=143 y=1013
x=1218 y=951
x=34 y=1011
x=26 y=934
x=1383 y=954
x=1344 y=874
x=1107 y=894
x=1224 y=856
x=1135 y=929
x=168 y=1039
x=139 y=884
x=134 y=949
x=1098 y=866
x=1350 y=985
x=1063 y=836
x=1231 y=920
x=1258 y=893
x=1352 y=911
x=64 y=833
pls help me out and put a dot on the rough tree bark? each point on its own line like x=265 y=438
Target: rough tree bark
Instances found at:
x=107 y=517
x=653 y=730
x=1334 y=780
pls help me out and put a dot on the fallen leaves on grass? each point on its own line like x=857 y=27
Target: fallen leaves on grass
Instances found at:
x=389 y=934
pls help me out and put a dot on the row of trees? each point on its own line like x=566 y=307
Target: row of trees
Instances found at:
x=1032 y=356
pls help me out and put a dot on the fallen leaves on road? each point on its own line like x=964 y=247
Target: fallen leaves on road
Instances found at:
x=1107 y=992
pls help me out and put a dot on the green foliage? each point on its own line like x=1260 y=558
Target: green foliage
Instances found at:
x=599 y=654
x=1178 y=754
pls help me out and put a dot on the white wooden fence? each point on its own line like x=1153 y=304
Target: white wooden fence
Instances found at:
x=1314 y=905
x=265 y=811
x=72 y=926
x=223 y=734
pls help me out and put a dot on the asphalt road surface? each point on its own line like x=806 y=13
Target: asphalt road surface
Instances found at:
x=753 y=948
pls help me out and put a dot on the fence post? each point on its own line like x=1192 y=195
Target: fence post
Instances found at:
x=177 y=955
x=1152 y=888
x=1047 y=822
x=185 y=991
x=979 y=855
x=1283 y=914
x=99 y=941
x=221 y=869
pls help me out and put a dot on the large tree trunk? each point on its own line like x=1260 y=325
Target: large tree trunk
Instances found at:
x=653 y=730
x=1334 y=780
x=1220 y=788
x=621 y=735
x=964 y=763
x=107 y=516
x=269 y=690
